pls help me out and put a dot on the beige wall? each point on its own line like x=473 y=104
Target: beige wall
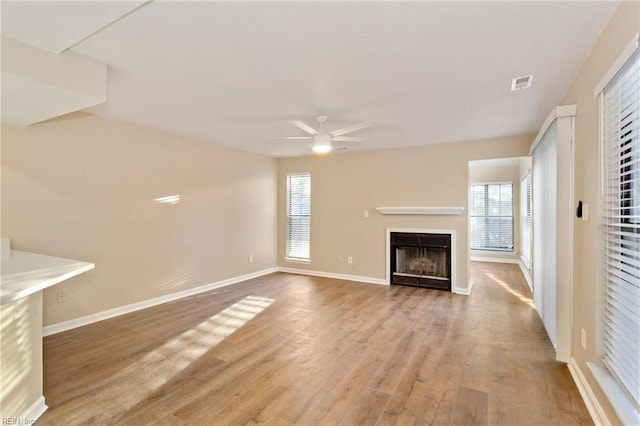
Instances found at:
x=484 y=174
x=616 y=36
x=83 y=188
x=344 y=185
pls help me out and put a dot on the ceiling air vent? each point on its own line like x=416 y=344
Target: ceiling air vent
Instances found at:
x=523 y=82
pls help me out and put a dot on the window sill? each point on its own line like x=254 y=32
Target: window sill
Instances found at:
x=298 y=261
x=619 y=400
x=478 y=251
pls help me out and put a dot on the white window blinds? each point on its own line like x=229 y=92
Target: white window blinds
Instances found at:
x=620 y=218
x=492 y=216
x=298 y=215
x=525 y=217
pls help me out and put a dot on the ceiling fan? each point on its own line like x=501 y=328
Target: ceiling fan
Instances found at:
x=321 y=142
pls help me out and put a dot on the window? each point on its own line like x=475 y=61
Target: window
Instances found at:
x=525 y=218
x=620 y=219
x=298 y=216
x=492 y=216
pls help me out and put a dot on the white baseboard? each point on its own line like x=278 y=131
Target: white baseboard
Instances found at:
x=494 y=259
x=525 y=272
x=357 y=278
x=33 y=413
x=593 y=406
x=99 y=316
x=464 y=291
x=111 y=313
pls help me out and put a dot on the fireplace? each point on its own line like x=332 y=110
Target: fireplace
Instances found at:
x=420 y=260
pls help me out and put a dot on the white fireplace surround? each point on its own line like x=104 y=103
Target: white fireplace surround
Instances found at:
x=451 y=232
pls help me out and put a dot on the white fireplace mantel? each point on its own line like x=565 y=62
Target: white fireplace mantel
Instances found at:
x=421 y=210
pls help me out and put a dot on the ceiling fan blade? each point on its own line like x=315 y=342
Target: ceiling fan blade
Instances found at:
x=291 y=137
x=305 y=127
x=348 y=139
x=351 y=129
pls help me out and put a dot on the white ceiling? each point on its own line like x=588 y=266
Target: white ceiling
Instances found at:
x=57 y=25
x=236 y=73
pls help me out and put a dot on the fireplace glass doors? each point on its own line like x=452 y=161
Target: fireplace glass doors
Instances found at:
x=421 y=260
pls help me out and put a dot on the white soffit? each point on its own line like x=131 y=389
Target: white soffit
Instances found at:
x=38 y=85
x=57 y=25
x=26 y=101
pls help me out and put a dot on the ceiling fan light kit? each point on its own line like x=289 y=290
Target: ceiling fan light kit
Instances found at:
x=321 y=142
x=321 y=148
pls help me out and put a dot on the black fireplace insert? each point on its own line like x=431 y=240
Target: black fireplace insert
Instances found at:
x=421 y=260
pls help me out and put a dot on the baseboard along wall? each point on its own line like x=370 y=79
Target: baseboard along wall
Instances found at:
x=111 y=313
x=31 y=414
x=346 y=277
x=593 y=406
x=525 y=272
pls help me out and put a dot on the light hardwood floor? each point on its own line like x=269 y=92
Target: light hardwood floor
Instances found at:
x=290 y=349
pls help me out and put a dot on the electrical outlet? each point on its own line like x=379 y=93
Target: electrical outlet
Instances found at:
x=62 y=296
x=366 y=213
x=583 y=339
x=250 y=258
x=350 y=260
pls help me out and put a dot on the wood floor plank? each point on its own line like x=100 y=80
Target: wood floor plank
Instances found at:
x=471 y=407
x=367 y=408
x=320 y=351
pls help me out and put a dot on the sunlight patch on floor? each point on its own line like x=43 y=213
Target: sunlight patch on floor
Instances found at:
x=506 y=286
x=181 y=351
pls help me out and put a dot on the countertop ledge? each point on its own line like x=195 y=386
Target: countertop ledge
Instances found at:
x=24 y=273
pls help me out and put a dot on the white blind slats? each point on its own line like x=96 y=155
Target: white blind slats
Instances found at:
x=620 y=215
x=625 y=95
x=525 y=216
x=622 y=369
x=620 y=294
x=298 y=216
x=621 y=273
x=622 y=344
x=624 y=257
x=492 y=216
